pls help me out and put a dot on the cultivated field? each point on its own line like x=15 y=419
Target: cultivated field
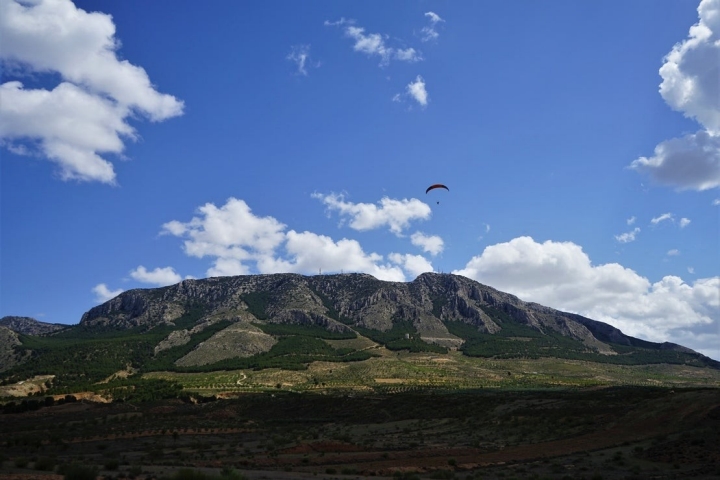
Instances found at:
x=394 y=372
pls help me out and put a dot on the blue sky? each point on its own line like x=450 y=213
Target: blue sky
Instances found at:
x=148 y=142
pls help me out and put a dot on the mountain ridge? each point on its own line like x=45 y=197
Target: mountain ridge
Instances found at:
x=290 y=321
x=336 y=301
x=29 y=325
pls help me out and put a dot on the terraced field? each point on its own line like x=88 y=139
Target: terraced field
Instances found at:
x=403 y=371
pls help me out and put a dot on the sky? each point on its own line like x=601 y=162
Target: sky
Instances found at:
x=143 y=143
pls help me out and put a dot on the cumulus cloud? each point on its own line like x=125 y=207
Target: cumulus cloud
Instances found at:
x=692 y=68
x=674 y=252
x=300 y=55
x=103 y=293
x=716 y=202
x=309 y=252
x=429 y=32
x=627 y=237
x=232 y=234
x=413 y=264
x=684 y=222
x=690 y=85
x=688 y=163
x=374 y=44
x=431 y=244
x=417 y=91
x=160 y=276
x=70 y=125
x=98 y=91
x=560 y=275
x=240 y=243
x=391 y=213
x=631 y=220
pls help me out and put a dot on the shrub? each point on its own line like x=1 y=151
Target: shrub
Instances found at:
x=80 y=472
x=189 y=474
x=231 y=474
x=45 y=463
x=443 y=474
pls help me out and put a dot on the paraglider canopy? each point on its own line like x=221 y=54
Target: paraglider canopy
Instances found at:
x=437 y=185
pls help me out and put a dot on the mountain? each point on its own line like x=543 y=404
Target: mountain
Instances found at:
x=29 y=326
x=289 y=321
x=9 y=355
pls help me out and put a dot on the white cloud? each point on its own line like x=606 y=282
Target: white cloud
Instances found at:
x=431 y=244
x=159 y=276
x=684 y=222
x=689 y=163
x=413 y=264
x=342 y=21
x=690 y=85
x=631 y=220
x=408 y=55
x=103 y=293
x=690 y=72
x=71 y=126
x=232 y=234
x=716 y=202
x=560 y=275
x=673 y=253
x=84 y=115
x=238 y=241
x=662 y=218
x=391 y=213
x=310 y=253
x=627 y=237
x=417 y=91
x=373 y=44
x=690 y=270
x=429 y=32
x=300 y=54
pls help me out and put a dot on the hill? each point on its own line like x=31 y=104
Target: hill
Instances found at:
x=29 y=326
x=290 y=322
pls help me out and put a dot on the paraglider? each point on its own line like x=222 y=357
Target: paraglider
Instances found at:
x=434 y=186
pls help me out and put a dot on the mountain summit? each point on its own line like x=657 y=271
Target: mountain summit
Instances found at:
x=434 y=312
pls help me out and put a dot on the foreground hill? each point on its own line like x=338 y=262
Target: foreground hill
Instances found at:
x=290 y=321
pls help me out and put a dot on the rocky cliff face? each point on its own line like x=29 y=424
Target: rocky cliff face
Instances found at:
x=337 y=302
x=29 y=326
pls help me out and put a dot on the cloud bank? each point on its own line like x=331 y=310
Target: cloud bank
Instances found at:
x=560 y=275
x=240 y=242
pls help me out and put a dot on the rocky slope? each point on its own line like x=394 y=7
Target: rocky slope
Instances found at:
x=9 y=355
x=29 y=326
x=340 y=302
x=290 y=321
